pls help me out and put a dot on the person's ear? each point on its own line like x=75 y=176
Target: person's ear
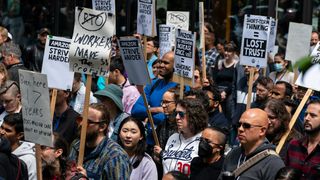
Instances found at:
x=215 y=104
x=20 y=136
x=19 y=96
x=58 y=152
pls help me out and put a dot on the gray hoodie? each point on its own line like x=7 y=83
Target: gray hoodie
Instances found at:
x=26 y=152
x=265 y=169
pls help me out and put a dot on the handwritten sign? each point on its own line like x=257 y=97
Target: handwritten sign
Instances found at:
x=272 y=36
x=104 y=5
x=166 y=38
x=179 y=19
x=56 y=63
x=256 y=30
x=36 y=108
x=91 y=41
x=298 y=44
x=184 y=53
x=133 y=60
x=146 y=18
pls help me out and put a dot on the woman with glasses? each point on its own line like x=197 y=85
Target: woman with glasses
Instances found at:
x=182 y=147
x=132 y=139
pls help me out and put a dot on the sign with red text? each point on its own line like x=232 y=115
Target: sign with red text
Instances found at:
x=256 y=30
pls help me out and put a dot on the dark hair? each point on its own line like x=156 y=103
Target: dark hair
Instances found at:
x=200 y=95
x=230 y=47
x=177 y=175
x=140 y=149
x=291 y=103
x=222 y=139
x=281 y=55
x=175 y=91
x=154 y=40
x=196 y=114
x=117 y=63
x=289 y=89
x=215 y=92
x=209 y=27
x=288 y=173
x=105 y=117
x=157 y=61
x=77 y=76
x=278 y=108
x=14 y=120
x=265 y=82
x=314 y=101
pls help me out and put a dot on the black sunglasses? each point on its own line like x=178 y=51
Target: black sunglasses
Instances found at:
x=246 y=125
x=181 y=114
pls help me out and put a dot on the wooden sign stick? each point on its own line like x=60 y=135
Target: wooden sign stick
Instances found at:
x=145 y=47
x=293 y=120
x=296 y=74
x=84 y=120
x=181 y=80
x=250 y=85
x=39 y=162
x=150 y=119
x=53 y=102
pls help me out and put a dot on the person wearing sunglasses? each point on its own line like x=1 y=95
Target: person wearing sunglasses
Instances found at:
x=182 y=147
x=252 y=129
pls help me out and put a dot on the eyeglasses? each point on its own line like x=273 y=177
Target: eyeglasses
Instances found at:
x=196 y=77
x=181 y=114
x=166 y=102
x=209 y=142
x=246 y=125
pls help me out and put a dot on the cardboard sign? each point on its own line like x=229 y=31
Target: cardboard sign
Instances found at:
x=254 y=44
x=91 y=41
x=133 y=60
x=56 y=63
x=146 y=18
x=166 y=38
x=184 y=53
x=273 y=35
x=36 y=108
x=104 y=5
x=298 y=44
x=178 y=19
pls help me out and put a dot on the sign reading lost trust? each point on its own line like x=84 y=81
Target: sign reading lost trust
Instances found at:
x=256 y=30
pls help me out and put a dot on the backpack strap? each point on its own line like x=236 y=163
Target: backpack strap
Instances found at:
x=154 y=86
x=19 y=169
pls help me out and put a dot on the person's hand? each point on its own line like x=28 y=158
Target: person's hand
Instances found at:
x=81 y=170
x=157 y=150
x=223 y=95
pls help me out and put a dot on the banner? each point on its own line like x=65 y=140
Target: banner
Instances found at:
x=166 y=38
x=104 y=5
x=36 y=108
x=56 y=63
x=133 y=60
x=146 y=18
x=91 y=41
x=184 y=53
x=256 y=30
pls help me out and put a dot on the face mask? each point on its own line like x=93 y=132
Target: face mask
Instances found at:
x=278 y=67
x=205 y=150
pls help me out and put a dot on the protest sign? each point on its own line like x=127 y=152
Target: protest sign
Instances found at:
x=56 y=63
x=104 y=5
x=166 y=38
x=36 y=110
x=254 y=44
x=201 y=25
x=133 y=60
x=298 y=44
x=272 y=36
x=179 y=19
x=91 y=41
x=184 y=53
x=146 y=18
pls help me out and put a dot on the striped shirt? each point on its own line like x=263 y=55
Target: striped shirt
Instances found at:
x=298 y=158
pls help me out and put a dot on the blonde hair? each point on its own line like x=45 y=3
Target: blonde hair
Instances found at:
x=3 y=71
x=4 y=32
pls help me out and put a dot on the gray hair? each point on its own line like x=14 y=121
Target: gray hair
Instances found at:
x=11 y=48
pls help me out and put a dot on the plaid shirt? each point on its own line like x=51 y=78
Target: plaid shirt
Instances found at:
x=211 y=56
x=298 y=158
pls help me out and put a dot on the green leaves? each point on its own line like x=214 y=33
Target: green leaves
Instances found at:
x=303 y=64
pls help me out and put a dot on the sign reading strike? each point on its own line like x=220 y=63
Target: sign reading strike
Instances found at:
x=184 y=53
x=256 y=30
x=104 y=5
x=91 y=41
x=56 y=63
x=179 y=19
x=35 y=111
x=166 y=38
x=146 y=18
x=133 y=60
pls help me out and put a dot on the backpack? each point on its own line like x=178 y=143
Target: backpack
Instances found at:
x=18 y=167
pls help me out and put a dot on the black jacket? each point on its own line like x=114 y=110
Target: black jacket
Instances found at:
x=204 y=171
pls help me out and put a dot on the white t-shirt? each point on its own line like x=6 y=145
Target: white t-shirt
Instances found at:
x=179 y=153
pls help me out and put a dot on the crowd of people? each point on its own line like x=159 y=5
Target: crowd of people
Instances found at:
x=207 y=132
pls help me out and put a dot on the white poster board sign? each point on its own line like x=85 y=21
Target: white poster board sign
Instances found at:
x=298 y=44
x=179 y=19
x=56 y=63
x=273 y=35
x=146 y=18
x=166 y=37
x=133 y=60
x=201 y=25
x=256 y=30
x=36 y=107
x=91 y=41
x=184 y=53
x=104 y=5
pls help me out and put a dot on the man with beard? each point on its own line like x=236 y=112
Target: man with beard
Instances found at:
x=263 y=92
x=304 y=153
x=211 y=155
x=154 y=92
x=103 y=158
